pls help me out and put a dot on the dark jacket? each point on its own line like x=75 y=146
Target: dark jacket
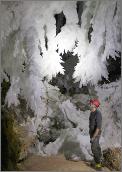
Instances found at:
x=95 y=121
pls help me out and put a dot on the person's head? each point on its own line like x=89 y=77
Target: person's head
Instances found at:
x=94 y=104
x=92 y=108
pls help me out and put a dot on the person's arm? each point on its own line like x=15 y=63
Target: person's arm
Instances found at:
x=96 y=133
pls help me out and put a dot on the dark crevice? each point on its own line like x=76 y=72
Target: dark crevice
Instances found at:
x=115 y=11
x=79 y=8
x=40 y=49
x=24 y=66
x=46 y=41
x=45 y=36
x=60 y=21
x=114 y=70
x=66 y=82
x=5 y=85
x=89 y=33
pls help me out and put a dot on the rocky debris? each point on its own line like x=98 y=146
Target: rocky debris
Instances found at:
x=27 y=141
x=112 y=158
x=10 y=143
x=17 y=137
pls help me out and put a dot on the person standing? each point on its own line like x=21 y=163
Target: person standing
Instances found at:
x=95 y=125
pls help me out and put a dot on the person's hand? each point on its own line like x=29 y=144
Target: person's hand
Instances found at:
x=92 y=140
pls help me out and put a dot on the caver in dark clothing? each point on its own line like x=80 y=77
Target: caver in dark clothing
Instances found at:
x=95 y=121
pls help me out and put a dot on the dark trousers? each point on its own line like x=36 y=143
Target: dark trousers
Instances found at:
x=96 y=150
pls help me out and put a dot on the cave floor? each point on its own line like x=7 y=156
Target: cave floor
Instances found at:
x=54 y=163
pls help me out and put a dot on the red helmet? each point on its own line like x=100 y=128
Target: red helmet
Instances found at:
x=95 y=102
